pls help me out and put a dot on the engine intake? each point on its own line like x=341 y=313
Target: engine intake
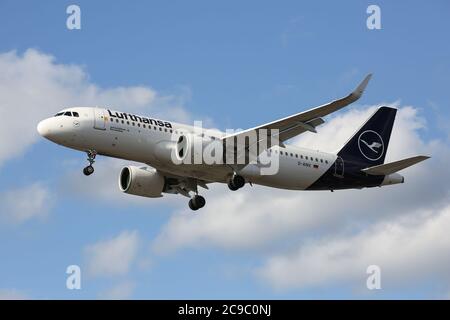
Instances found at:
x=190 y=149
x=141 y=181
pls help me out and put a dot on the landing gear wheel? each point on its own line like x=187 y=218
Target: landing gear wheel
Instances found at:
x=192 y=205
x=236 y=182
x=91 y=159
x=197 y=202
x=231 y=186
x=88 y=170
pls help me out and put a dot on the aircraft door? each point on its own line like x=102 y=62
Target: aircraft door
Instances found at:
x=99 y=119
x=339 y=167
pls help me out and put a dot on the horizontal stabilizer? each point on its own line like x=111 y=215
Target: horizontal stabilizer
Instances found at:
x=389 y=168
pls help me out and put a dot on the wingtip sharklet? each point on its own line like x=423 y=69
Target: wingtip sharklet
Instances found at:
x=362 y=86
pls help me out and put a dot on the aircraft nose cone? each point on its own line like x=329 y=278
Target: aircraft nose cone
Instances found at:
x=43 y=128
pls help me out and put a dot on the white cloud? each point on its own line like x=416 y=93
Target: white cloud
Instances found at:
x=22 y=204
x=113 y=256
x=285 y=225
x=322 y=239
x=405 y=138
x=413 y=248
x=121 y=291
x=263 y=218
x=33 y=86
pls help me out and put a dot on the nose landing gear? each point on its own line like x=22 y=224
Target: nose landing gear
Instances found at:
x=197 y=202
x=91 y=159
x=88 y=170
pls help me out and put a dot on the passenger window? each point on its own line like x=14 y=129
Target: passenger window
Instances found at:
x=144 y=126
x=139 y=125
x=75 y=114
x=123 y=122
x=134 y=124
x=292 y=155
x=306 y=157
x=317 y=160
x=165 y=130
x=321 y=160
x=128 y=122
x=296 y=155
x=160 y=129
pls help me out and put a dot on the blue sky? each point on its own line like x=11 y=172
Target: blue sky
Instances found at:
x=236 y=64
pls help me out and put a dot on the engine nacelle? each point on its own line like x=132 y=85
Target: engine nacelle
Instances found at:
x=188 y=148
x=141 y=181
x=191 y=149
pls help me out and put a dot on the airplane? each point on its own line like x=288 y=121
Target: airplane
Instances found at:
x=163 y=146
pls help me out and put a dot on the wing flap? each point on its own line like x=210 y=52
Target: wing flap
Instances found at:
x=299 y=128
x=392 y=167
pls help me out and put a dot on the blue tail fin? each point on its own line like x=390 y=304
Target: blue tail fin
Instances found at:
x=369 y=145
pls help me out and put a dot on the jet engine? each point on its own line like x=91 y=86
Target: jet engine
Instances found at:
x=141 y=181
x=190 y=149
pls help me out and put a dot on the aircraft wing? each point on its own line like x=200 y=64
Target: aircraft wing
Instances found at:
x=301 y=122
x=389 y=168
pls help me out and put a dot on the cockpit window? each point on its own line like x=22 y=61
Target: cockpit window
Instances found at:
x=68 y=114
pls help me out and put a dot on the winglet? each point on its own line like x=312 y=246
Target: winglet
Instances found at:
x=357 y=93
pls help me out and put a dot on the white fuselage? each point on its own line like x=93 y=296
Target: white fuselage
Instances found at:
x=95 y=129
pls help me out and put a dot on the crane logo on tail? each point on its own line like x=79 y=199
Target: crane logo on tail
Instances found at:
x=371 y=145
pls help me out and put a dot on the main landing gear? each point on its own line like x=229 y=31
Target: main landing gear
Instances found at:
x=236 y=182
x=197 y=202
x=91 y=159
